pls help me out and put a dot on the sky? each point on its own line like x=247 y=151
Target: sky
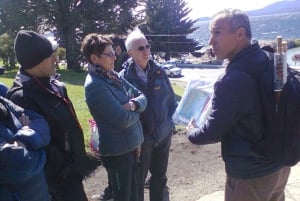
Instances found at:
x=204 y=8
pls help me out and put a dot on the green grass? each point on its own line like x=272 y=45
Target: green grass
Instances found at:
x=178 y=90
x=74 y=82
x=297 y=42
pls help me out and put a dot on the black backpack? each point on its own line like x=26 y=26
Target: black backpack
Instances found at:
x=281 y=143
x=287 y=121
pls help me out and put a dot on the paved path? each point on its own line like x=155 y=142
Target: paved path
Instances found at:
x=292 y=190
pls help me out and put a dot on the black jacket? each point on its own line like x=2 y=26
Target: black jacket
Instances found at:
x=66 y=154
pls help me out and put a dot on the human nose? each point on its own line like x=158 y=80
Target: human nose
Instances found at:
x=210 y=40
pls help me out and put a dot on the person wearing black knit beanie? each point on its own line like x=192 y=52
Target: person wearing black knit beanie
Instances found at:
x=37 y=89
x=32 y=48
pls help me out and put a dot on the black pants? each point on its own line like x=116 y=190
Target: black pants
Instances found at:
x=121 y=172
x=69 y=189
x=154 y=157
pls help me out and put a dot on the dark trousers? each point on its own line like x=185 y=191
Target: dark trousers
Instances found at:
x=33 y=189
x=121 y=172
x=69 y=189
x=154 y=157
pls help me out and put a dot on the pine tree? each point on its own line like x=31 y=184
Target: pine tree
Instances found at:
x=69 y=20
x=167 y=27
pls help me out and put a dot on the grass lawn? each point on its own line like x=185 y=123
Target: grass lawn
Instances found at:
x=74 y=82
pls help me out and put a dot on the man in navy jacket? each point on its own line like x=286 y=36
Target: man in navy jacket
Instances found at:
x=236 y=119
x=156 y=120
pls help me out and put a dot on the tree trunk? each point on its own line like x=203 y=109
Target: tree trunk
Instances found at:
x=72 y=61
x=68 y=32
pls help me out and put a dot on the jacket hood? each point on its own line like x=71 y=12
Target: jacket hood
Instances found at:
x=22 y=78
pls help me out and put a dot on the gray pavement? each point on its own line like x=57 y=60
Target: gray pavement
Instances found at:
x=292 y=191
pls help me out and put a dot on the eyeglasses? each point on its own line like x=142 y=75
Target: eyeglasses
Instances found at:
x=142 y=48
x=110 y=54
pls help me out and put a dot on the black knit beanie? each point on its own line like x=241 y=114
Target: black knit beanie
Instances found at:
x=32 y=48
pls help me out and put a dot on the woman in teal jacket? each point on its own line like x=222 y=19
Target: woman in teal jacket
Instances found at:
x=115 y=105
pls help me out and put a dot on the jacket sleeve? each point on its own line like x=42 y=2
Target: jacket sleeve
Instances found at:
x=138 y=97
x=36 y=135
x=105 y=107
x=230 y=97
x=17 y=163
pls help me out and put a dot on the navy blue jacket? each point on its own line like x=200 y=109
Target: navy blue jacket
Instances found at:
x=21 y=167
x=157 y=118
x=237 y=119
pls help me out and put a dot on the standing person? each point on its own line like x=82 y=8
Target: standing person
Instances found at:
x=120 y=51
x=115 y=105
x=121 y=57
x=236 y=119
x=36 y=88
x=157 y=122
x=23 y=137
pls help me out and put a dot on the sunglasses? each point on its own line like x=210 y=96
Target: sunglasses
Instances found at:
x=142 y=48
x=110 y=54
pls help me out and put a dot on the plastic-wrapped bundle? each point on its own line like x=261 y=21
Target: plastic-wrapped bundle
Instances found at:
x=195 y=102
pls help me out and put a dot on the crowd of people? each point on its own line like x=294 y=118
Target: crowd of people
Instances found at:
x=42 y=151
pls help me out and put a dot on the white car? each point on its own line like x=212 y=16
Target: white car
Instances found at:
x=171 y=70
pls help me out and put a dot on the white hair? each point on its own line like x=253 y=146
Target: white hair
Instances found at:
x=135 y=35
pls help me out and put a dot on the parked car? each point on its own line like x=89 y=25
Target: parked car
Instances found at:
x=173 y=62
x=171 y=70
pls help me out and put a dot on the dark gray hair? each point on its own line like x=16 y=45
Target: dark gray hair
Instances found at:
x=236 y=19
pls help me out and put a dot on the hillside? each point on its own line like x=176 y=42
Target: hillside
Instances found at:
x=285 y=6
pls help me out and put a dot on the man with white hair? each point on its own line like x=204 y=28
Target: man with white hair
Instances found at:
x=156 y=120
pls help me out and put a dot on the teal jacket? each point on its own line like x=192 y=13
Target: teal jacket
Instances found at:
x=120 y=131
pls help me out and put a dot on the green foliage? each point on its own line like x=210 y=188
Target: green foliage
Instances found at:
x=167 y=26
x=6 y=50
x=69 y=20
x=15 y=15
x=61 y=53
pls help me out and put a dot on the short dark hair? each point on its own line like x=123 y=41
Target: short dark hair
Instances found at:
x=94 y=43
x=268 y=48
x=118 y=41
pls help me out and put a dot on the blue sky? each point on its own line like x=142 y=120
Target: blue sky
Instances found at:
x=204 y=8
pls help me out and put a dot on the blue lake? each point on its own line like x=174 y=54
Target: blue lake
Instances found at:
x=266 y=27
